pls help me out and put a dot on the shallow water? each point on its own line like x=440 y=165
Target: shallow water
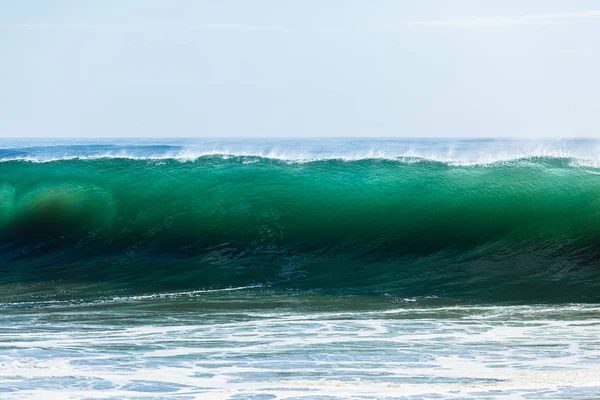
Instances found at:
x=232 y=345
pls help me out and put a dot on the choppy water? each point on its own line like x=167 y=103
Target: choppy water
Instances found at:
x=252 y=344
x=300 y=269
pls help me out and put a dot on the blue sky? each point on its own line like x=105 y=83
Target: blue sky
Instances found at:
x=192 y=68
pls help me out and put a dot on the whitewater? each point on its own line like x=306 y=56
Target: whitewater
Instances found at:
x=299 y=269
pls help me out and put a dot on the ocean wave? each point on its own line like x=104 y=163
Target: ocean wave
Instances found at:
x=517 y=230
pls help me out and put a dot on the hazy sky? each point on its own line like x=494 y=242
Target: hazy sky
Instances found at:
x=208 y=68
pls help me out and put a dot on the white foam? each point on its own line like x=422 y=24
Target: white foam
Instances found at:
x=189 y=293
x=453 y=152
x=514 y=351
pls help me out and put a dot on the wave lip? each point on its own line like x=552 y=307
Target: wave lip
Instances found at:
x=452 y=152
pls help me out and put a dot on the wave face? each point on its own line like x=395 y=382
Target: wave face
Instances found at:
x=520 y=230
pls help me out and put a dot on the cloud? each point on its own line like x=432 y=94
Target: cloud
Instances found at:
x=166 y=26
x=576 y=52
x=459 y=22
x=531 y=19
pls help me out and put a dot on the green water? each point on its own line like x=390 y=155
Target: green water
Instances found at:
x=526 y=230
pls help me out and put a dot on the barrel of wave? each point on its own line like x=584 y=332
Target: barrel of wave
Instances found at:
x=55 y=211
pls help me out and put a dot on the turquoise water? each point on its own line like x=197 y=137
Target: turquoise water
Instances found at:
x=262 y=269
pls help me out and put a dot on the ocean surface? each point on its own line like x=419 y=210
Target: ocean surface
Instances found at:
x=300 y=269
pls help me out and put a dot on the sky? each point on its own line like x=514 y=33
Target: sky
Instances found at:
x=303 y=68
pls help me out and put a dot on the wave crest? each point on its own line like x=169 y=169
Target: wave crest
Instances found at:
x=452 y=152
